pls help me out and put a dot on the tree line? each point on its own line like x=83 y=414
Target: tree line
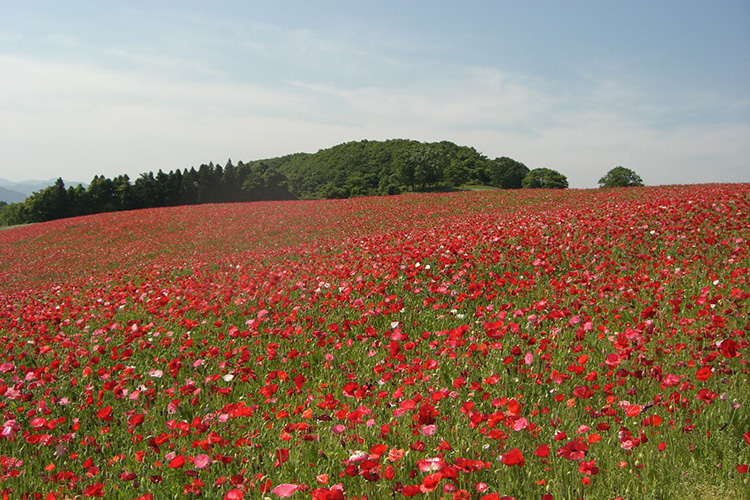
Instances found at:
x=362 y=168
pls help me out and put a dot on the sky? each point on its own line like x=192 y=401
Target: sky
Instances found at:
x=110 y=88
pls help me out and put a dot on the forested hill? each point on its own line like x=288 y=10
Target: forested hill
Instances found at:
x=366 y=168
x=362 y=168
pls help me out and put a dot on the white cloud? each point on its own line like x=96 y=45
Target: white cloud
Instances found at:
x=78 y=119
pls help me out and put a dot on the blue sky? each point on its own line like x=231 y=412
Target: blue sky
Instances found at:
x=89 y=88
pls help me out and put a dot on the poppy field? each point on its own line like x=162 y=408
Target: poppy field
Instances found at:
x=490 y=345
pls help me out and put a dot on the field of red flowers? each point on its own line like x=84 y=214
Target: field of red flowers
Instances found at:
x=529 y=345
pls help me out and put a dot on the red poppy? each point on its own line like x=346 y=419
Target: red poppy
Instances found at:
x=513 y=457
x=430 y=482
x=589 y=468
x=542 y=451
x=377 y=450
x=412 y=490
x=177 y=462
x=135 y=420
x=105 y=413
x=334 y=493
x=633 y=410
x=234 y=494
x=573 y=450
x=394 y=454
x=703 y=373
x=706 y=395
x=282 y=455
x=728 y=348
x=94 y=490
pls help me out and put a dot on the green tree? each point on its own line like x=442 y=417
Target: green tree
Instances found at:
x=456 y=173
x=123 y=191
x=266 y=182
x=77 y=200
x=59 y=200
x=189 y=191
x=101 y=195
x=544 y=178
x=507 y=173
x=147 y=189
x=620 y=177
x=13 y=214
x=230 y=183
x=48 y=204
x=207 y=183
x=406 y=172
x=421 y=165
x=463 y=164
x=173 y=189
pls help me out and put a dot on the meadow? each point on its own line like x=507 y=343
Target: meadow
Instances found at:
x=533 y=344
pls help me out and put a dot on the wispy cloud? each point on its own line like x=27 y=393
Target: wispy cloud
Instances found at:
x=259 y=90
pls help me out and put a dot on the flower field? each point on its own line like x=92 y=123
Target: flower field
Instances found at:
x=488 y=345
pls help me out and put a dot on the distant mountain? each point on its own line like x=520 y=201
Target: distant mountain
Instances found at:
x=11 y=196
x=9 y=190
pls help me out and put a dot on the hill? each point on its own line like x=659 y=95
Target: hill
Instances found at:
x=353 y=169
x=11 y=196
x=367 y=168
x=28 y=187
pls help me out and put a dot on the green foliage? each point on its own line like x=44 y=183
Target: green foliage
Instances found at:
x=620 y=177
x=358 y=168
x=13 y=214
x=421 y=165
x=507 y=173
x=544 y=178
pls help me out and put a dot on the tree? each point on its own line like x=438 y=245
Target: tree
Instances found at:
x=77 y=201
x=545 y=178
x=456 y=173
x=507 y=173
x=207 y=183
x=147 y=189
x=229 y=186
x=620 y=177
x=123 y=190
x=189 y=191
x=421 y=165
x=59 y=200
x=48 y=204
x=265 y=182
x=462 y=164
x=101 y=195
x=15 y=213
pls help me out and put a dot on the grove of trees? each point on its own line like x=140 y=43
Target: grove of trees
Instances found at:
x=361 y=168
x=544 y=178
x=620 y=177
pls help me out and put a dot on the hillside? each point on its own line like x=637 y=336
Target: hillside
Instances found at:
x=28 y=187
x=11 y=196
x=366 y=168
x=354 y=169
